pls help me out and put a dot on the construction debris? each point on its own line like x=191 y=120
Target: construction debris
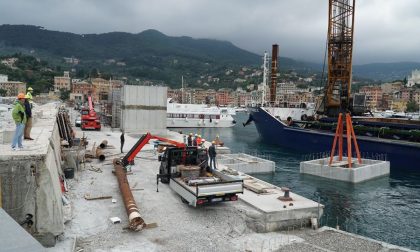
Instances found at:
x=104 y=144
x=115 y=220
x=100 y=154
x=88 y=197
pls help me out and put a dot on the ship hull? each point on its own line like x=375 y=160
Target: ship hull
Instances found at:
x=402 y=155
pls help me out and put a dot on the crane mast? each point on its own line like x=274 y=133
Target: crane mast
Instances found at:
x=340 y=50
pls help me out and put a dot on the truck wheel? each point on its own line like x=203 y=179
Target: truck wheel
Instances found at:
x=184 y=201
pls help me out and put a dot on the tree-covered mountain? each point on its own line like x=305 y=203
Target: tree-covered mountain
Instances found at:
x=146 y=55
x=152 y=55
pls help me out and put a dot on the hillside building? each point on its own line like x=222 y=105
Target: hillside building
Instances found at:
x=13 y=88
x=414 y=78
x=3 y=78
x=373 y=96
x=80 y=91
x=62 y=82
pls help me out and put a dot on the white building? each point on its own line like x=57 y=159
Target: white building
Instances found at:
x=287 y=88
x=414 y=79
x=3 y=78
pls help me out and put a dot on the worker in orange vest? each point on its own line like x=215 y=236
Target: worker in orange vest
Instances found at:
x=199 y=140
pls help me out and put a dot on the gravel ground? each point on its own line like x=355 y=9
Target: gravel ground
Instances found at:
x=221 y=227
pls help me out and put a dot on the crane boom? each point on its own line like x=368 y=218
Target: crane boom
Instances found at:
x=90 y=103
x=340 y=51
x=127 y=159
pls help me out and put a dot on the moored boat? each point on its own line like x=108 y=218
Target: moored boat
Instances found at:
x=180 y=115
x=402 y=154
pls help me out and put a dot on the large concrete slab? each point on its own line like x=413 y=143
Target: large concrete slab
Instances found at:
x=368 y=169
x=276 y=214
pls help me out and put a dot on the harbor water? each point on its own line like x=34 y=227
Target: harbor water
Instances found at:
x=386 y=209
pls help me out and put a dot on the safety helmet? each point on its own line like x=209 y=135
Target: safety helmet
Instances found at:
x=190 y=134
x=213 y=142
x=30 y=89
x=27 y=97
x=199 y=135
x=21 y=96
x=196 y=135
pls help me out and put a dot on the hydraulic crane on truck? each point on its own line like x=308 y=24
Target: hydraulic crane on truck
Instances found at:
x=209 y=187
x=89 y=117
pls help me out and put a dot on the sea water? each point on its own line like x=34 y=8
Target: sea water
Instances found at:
x=386 y=209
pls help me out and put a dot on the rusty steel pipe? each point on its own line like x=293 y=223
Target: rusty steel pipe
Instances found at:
x=103 y=144
x=100 y=155
x=136 y=223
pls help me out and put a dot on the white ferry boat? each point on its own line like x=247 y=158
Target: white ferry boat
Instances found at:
x=180 y=115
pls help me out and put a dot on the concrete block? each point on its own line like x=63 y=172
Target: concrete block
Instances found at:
x=143 y=109
x=275 y=214
x=369 y=169
x=246 y=163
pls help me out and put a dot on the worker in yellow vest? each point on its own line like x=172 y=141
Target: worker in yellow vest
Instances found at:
x=29 y=94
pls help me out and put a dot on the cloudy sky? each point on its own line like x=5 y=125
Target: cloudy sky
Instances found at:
x=385 y=30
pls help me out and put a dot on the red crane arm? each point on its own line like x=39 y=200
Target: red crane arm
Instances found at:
x=90 y=103
x=127 y=159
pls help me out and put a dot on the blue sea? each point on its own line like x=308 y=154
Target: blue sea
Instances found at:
x=385 y=209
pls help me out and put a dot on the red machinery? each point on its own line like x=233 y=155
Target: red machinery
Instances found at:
x=90 y=120
x=129 y=158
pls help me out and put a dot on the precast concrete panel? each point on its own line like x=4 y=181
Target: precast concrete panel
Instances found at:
x=144 y=108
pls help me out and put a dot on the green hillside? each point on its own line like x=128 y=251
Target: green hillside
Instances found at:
x=149 y=55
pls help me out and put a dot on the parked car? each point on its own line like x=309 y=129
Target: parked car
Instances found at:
x=78 y=121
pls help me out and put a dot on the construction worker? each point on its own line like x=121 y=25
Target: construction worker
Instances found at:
x=29 y=93
x=28 y=112
x=194 y=143
x=198 y=140
x=122 y=140
x=212 y=155
x=19 y=116
x=190 y=140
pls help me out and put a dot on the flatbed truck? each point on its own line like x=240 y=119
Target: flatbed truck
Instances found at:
x=211 y=186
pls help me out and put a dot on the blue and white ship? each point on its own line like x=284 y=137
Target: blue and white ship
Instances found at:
x=403 y=154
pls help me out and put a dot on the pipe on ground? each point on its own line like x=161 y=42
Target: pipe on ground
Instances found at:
x=100 y=155
x=136 y=223
x=103 y=144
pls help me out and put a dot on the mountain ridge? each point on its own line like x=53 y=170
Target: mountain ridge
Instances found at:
x=150 y=54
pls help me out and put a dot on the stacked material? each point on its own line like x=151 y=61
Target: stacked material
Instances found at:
x=189 y=172
x=64 y=127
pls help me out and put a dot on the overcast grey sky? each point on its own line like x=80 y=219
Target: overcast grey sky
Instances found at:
x=385 y=30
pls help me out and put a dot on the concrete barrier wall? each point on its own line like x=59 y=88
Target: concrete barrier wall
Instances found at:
x=31 y=179
x=48 y=194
